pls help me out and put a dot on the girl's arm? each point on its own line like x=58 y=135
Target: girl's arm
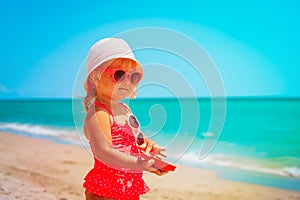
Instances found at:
x=98 y=131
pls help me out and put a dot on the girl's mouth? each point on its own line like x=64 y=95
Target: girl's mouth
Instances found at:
x=125 y=89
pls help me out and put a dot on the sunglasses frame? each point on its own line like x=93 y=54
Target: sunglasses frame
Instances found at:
x=140 y=136
x=126 y=76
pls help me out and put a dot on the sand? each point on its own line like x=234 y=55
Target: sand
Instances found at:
x=40 y=169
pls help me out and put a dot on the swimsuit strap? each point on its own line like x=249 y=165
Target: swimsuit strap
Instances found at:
x=109 y=110
x=127 y=108
x=104 y=106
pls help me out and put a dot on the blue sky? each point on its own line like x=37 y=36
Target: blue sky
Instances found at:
x=254 y=44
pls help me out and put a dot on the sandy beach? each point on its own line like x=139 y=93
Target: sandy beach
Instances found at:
x=40 y=169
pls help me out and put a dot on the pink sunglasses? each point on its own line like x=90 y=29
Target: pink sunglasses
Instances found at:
x=119 y=75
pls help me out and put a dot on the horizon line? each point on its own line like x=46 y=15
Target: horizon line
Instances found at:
x=148 y=98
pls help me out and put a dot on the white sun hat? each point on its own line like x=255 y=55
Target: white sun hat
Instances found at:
x=104 y=50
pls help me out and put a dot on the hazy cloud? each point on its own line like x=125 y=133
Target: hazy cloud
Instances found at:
x=3 y=89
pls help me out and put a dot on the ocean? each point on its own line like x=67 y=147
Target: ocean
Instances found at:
x=259 y=141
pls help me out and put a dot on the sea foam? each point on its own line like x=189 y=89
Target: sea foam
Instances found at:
x=240 y=162
x=40 y=131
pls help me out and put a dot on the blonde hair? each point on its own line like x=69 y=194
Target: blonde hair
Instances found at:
x=91 y=90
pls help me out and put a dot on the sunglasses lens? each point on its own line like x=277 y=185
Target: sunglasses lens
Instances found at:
x=133 y=122
x=119 y=75
x=135 y=77
x=140 y=139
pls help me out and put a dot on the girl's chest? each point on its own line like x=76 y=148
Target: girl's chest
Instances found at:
x=123 y=139
x=122 y=134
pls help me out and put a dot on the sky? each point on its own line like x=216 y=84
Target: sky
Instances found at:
x=253 y=45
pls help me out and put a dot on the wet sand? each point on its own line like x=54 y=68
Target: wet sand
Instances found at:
x=40 y=169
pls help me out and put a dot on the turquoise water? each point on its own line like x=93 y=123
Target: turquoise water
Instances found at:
x=260 y=137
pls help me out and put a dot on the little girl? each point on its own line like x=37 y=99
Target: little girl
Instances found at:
x=113 y=74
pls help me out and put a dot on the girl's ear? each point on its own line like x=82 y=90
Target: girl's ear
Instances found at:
x=134 y=93
x=95 y=78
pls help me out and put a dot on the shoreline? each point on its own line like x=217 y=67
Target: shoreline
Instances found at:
x=223 y=172
x=34 y=168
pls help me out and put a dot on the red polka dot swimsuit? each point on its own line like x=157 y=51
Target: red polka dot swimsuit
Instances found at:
x=119 y=184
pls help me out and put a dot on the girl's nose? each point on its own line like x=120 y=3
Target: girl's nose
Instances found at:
x=127 y=79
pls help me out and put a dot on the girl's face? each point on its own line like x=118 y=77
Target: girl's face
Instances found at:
x=116 y=85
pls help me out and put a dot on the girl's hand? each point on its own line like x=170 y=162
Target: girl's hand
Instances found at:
x=147 y=165
x=151 y=147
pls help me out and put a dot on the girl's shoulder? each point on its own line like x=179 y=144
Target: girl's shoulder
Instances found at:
x=100 y=113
